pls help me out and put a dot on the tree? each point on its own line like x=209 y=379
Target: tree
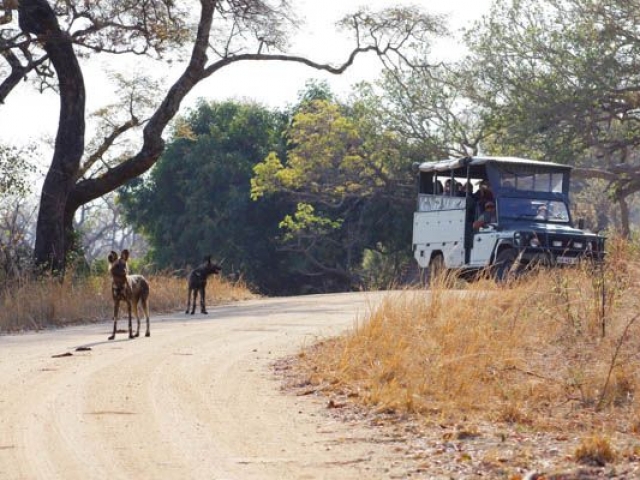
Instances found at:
x=431 y=108
x=46 y=40
x=17 y=221
x=16 y=172
x=101 y=227
x=563 y=78
x=350 y=180
x=16 y=212
x=195 y=202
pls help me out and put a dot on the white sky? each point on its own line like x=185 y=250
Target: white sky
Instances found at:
x=28 y=116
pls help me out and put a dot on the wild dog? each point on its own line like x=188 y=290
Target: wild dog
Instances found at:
x=127 y=288
x=197 y=282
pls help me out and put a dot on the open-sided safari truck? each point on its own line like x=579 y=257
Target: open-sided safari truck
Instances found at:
x=532 y=222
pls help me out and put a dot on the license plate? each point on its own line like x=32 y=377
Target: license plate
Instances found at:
x=567 y=260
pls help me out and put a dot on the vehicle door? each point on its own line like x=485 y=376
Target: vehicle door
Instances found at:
x=484 y=242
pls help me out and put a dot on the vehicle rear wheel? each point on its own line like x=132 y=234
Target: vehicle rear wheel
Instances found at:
x=505 y=268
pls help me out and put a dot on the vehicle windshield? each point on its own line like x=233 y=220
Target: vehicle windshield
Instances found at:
x=551 y=211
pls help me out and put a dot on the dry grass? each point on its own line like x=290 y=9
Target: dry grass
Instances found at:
x=596 y=451
x=33 y=305
x=553 y=351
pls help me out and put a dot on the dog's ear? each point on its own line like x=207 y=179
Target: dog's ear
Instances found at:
x=125 y=255
x=113 y=256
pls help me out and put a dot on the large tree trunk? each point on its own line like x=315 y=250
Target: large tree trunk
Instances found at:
x=54 y=220
x=63 y=192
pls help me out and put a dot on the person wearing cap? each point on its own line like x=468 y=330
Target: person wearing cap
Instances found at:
x=487 y=216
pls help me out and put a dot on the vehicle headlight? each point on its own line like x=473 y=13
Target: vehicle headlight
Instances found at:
x=517 y=238
x=526 y=239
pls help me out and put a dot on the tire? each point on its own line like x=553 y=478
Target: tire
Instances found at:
x=504 y=269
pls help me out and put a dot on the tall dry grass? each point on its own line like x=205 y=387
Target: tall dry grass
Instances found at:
x=552 y=349
x=38 y=304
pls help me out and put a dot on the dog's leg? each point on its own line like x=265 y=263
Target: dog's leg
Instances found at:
x=130 y=319
x=145 y=308
x=203 y=308
x=195 y=299
x=116 y=305
x=135 y=305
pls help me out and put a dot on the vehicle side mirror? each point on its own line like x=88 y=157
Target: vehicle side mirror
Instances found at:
x=581 y=223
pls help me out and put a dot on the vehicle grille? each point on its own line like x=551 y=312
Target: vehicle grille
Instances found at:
x=572 y=245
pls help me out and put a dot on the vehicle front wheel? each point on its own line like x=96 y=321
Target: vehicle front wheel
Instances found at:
x=505 y=268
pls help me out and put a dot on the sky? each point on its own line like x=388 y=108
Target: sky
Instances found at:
x=28 y=116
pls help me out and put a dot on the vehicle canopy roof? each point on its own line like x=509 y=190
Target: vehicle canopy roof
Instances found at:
x=455 y=163
x=506 y=175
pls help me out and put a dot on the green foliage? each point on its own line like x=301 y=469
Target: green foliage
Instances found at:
x=305 y=221
x=339 y=186
x=333 y=156
x=348 y=174
x=325 y=158
x=560 y=76
x=75 y=260
x=382 y=269
x=314 y=90
x=196 y=200
x=561 y=80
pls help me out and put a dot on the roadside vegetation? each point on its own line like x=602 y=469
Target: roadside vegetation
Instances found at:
x=46 y=303
x=555 y=352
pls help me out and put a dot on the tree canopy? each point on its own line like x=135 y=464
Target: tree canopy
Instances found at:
x=562 y=80
x=195 y=202
x=548 y=79
x=349 y=177
x=47 y=40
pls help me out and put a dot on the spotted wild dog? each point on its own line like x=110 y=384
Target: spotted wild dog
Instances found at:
x=127 y=288
x=197 y=282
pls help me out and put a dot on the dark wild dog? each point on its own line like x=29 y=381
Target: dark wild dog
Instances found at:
x=127 y=288
x=197 y=282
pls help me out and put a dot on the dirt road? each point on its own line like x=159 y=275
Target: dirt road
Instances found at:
x=196 y=400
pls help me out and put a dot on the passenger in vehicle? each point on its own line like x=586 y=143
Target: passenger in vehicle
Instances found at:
x=542 y=213
x=483 y=195
x=447 y=188
x=487 y=216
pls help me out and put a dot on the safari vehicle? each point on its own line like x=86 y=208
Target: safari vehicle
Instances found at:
x=521 y=233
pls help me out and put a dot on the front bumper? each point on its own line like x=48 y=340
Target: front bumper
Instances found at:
x=551 y=257
x=557 y=249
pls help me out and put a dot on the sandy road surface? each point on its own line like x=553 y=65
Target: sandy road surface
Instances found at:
x=197 y=400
